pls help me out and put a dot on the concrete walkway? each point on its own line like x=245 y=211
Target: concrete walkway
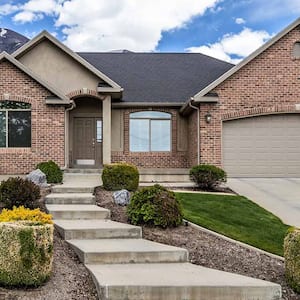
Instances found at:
x=125 y=266
x=281 y=196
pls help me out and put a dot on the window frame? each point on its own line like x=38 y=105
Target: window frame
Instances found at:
x=6 y=111
x=168 y=117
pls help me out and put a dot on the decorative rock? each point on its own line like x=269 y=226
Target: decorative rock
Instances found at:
x=121 y=197
x=38 y=177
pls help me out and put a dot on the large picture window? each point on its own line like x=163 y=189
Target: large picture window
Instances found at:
x=150 y=131
x=15 y=124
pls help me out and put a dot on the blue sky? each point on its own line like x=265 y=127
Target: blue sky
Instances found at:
x=226 y=29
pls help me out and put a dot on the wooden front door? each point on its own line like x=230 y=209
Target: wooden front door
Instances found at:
x=87 y=142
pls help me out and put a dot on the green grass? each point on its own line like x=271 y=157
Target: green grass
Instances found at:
x=236 y=217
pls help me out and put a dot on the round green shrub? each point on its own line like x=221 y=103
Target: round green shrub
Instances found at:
x=16 y=191
x=119 y=176
x=26 y=253
x=52 y=171
x=155 y=205
x=292 y=258
x=207 y=176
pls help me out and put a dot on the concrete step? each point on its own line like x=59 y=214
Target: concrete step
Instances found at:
x=177 y=281
x=72 y=189
x=77 y=212
x=119 y=251
x=96 y=229
x=68 y=198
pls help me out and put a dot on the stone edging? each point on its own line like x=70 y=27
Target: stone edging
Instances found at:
x=193 y=225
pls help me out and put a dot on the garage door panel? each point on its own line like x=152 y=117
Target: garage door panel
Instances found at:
x=266 y=146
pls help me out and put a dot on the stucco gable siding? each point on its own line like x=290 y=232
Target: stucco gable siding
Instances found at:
x=59 y=69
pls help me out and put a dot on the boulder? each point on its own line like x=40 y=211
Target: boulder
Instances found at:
x=38 y=177
x=121 y=197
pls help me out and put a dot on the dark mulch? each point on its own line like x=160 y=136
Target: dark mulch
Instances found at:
x=208 y=250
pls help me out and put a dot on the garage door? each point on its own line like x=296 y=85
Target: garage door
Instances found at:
x=266 y=146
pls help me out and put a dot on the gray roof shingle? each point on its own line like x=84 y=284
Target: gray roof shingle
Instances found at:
x=158 y=77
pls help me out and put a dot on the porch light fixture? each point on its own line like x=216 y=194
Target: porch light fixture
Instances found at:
x=208 y=118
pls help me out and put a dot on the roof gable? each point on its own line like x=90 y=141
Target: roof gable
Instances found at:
x=62 y=98
x=197 y=97
x=44 y=35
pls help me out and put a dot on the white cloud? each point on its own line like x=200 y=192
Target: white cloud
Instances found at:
x=7 y=9
x=27 y=16
x=237 y=45
x=101 y=25
x=240 y=21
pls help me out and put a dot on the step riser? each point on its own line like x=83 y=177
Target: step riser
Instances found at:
x=80 y=215
x=73 y=190
x=99 y=233
x=70 y=201
x=133 y=257
x=188 y=292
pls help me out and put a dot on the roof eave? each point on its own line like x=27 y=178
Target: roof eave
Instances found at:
x=146 y=104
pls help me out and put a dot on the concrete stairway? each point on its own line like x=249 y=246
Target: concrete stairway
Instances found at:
x=125 y=266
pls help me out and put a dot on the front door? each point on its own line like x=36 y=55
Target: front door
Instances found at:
x=87 y=142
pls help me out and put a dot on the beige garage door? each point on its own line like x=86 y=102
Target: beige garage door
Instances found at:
x=266 y=146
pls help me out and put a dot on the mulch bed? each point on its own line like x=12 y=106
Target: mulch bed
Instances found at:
x=208 y=250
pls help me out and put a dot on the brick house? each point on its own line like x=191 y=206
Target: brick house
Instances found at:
x=163 y=111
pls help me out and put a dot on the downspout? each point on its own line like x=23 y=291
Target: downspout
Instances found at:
x=73 y=105
x=198 y=128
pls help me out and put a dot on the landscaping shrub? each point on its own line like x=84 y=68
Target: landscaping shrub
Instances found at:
x=118 y=176
x=292 y=258
x=16 y=191
x=155 y=205
x=26 y=248
x=207 y=176
x=52 y=171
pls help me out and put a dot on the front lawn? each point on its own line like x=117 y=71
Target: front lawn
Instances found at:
x=236 y=217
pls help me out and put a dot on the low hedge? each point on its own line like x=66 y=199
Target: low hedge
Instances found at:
x=292 y=258
x=26 y=248
x=118 y=176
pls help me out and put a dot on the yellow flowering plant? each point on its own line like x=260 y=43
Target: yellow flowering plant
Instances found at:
x=34 y=216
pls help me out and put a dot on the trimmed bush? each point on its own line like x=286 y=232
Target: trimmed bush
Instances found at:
x=118 y=176
x=52 y=171
x=292 y=258
x=16 y=191
x=26 y=248
x=207 y=176
x=155 y=205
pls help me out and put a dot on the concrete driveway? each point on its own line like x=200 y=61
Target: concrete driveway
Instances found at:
x=281 y=196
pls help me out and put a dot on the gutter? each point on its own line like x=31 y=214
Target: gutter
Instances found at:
x=73 y=105
x=198 y=127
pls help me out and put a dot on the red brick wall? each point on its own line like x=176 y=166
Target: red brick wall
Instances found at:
x=173 y=159
x=47 y=123
x=270 y=83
